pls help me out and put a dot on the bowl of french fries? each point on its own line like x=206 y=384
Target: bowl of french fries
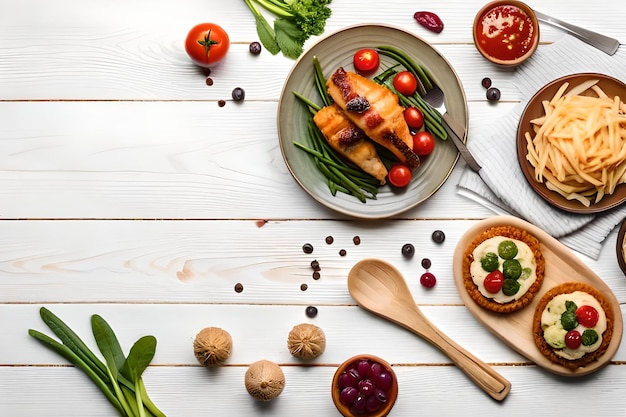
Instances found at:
x=571 y=142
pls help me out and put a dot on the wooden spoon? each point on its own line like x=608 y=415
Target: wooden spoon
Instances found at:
x=380 y=288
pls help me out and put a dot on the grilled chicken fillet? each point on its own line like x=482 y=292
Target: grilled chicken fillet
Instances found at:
x=350 y=141
x=376 y=110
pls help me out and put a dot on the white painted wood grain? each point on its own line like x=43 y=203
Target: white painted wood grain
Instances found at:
x=162 y=160
x=428 y=391
x=105 y=127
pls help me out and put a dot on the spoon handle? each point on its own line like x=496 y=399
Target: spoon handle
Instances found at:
x=482 y=374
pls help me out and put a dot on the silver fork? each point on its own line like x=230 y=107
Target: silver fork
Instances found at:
x=602 y=42
x=436 y=98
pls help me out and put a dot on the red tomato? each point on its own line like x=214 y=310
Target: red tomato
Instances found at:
x=493 y=281
x=400 y=175
x=366 y=61
x=587 y=315
x=206 y=44
x=573 y=339
x=414 y=118
x=423 y=143
x=405 y=82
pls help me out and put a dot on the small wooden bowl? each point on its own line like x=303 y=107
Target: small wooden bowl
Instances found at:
x=619 y=246
x=492 y=55
x=392 y=392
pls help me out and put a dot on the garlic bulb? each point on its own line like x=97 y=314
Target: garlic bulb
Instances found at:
x=212 y=346
x=264 y=380
x=306 y=341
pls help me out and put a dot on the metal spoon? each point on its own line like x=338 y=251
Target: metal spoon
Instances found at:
x=380 y=288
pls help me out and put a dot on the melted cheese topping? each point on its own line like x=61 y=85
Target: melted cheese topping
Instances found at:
x=526 y=258
x=554 y=333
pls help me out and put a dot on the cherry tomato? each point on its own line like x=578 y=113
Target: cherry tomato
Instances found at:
x=573 y=339
x=493 y=281
x=366 y=61
x=587 y=315
x=423 y=143
x=206 y=44
x=405 y=82
x=400 y=175
x=414 y=118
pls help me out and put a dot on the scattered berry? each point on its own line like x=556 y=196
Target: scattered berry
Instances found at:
x=493 y=94
x=307 y=248
x=209 y=81
x=221 y=103
x=311 y=311
x=426 y=263
x=238 y=94
x=428 y=280
x=255 y=48
x=438 y=236
x=486 y=82
x=330 y=240
x=356 y=240
x=408 y=250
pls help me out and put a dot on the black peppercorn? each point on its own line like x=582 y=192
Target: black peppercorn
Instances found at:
x=408 y=250
x=311 y=311
x=493 y=94
x=238 y=94
x=255 y=48
x=438 y=236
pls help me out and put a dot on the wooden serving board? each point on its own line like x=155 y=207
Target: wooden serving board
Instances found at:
x=515 y=329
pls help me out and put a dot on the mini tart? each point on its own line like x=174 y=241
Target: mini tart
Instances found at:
x=511 y=233
x=547 y=350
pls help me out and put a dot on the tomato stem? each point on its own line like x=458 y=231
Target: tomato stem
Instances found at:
x=207 y=43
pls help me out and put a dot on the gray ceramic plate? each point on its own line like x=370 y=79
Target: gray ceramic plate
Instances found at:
x=534 y=109
x=337 y=50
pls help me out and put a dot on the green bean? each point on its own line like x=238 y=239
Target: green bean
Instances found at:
x=329 y=162
x=312 y=106
x=402 y=57
x=334 y=175
x=320 y=82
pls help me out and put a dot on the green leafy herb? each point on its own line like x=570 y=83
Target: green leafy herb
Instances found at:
x=120 y=378
x=568 y=320
x=589 y=337
x=295 y=21
x=490 y=262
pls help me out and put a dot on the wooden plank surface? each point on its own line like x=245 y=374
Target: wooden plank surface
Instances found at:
x=126 y=191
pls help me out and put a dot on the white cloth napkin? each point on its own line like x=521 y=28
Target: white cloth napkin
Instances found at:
x=501 y=181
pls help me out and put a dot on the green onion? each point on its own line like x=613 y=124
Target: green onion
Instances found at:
x=120 y=378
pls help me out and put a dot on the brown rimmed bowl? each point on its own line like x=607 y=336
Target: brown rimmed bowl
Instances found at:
x=534 y=109
x=619 y=246
x=391 y=392
x=489 y=55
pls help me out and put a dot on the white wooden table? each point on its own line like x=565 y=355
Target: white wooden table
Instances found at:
x=126 y=191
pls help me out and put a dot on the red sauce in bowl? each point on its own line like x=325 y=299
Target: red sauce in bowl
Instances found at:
x=505 y=32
